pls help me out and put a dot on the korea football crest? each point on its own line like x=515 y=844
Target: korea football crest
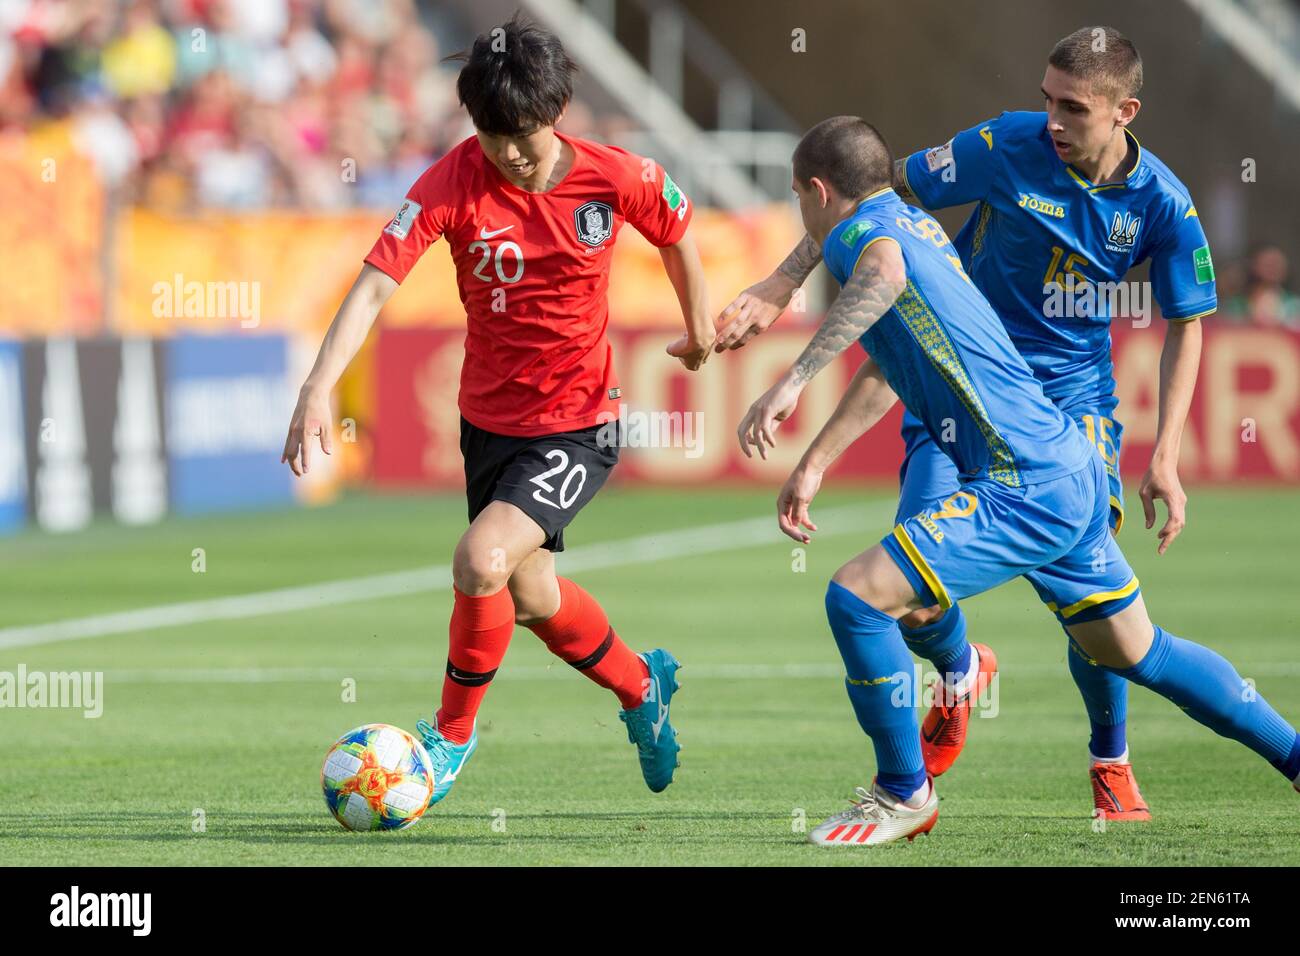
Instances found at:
x=595 y=222
x=1123 y=232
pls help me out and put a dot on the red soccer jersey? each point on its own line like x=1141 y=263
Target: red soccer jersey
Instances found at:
x=533 y=270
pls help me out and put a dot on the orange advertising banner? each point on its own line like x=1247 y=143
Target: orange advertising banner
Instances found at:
x=1244 y=424
x=288 y=272
x=50 y=235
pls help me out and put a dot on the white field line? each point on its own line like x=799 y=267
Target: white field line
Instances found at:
x=527 y=672
x=533 y=672
x=643 y=549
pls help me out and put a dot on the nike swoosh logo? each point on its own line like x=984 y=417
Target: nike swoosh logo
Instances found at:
x=484 y=234
x=663 y=710
x=453 y=774
x=938 y=728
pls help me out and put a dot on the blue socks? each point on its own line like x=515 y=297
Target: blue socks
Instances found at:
x=1105 y=695
x=879 y=681
x=1212 y=692
x=942 y=643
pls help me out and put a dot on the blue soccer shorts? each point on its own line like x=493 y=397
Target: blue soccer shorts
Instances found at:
x=928 y=473
x=973 y=536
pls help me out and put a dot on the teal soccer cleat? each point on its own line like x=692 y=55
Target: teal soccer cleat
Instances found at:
x=448 y=758
x=648 y=726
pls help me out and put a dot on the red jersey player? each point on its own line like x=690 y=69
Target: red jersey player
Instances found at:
x=530 y=216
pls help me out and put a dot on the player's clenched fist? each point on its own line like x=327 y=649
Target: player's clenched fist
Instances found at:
x=691 y=352
x=311 y=419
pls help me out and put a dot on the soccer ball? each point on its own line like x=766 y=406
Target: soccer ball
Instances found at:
x=377 y=777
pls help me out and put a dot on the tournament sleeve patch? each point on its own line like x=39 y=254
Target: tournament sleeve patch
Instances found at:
x=853 y=233
x=1203 y=264
x=939 y=157
x=674 y=197
x=400 y=227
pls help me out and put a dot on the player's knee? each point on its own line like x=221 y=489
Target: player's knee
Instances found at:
x=922 y=617
x=853 y=578
x=479 y=571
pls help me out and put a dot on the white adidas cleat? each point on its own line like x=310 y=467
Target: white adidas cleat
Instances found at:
x=877 y=816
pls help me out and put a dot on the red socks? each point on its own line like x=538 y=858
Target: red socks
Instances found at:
x=579 y=634
x=480 y=632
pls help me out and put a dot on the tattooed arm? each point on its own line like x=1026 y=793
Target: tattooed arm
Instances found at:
x=761 y=304
x=878 y=279
x=800 y=263
x=900 y=182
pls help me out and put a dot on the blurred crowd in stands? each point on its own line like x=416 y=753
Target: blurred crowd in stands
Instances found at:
x=316 y=104
x=1256 y=291
x=242 y=104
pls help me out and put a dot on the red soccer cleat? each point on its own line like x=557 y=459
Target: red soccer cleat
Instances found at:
x=943 y=732
x=1115 y=794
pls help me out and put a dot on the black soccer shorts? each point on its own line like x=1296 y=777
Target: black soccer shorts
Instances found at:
x=550 y=478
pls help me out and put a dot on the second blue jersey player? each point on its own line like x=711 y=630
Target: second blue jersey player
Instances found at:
x=1029 y=495
x=1067 y=202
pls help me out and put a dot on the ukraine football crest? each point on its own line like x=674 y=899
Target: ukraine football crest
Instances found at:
x=1123 y=232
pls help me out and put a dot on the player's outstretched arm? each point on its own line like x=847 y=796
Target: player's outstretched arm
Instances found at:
x=877 y=280
x=686 y=273
x=762 y=303
x=312 y=417
x=1179 y=361
x=866 y=402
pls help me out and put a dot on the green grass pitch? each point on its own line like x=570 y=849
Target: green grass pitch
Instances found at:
x=232 y=717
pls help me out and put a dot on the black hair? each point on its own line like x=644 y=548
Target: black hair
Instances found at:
x=847 y=152
x=517 y=77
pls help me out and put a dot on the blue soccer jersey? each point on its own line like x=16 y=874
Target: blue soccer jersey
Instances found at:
x=944 y=351
x=1028 y=496
x=1042 y=229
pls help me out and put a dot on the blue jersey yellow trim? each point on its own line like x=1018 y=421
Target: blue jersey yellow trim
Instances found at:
x=973 y=391
x=1088 y=184
x=934 y=341
x=1040 y=222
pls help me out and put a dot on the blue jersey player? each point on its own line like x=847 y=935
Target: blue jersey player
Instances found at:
x=1067 y=202
x=1029 y=495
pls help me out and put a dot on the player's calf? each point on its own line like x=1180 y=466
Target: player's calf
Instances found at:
x=1196 y=679
x=579 y=633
